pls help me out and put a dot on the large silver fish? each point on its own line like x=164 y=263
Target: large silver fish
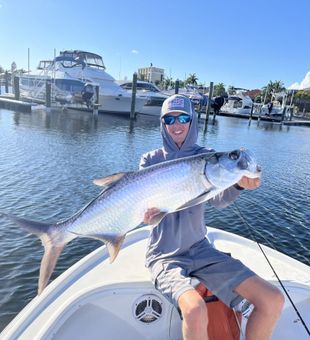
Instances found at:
x=169 y=186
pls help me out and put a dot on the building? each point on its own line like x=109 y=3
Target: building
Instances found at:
x=151 y=74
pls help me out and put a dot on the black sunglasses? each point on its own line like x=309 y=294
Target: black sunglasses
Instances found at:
x=182 y=119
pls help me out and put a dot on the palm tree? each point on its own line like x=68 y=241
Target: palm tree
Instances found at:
x=219 y=90
x=272 y=88
x=192 y=79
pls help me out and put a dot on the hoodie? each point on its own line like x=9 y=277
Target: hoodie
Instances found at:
x=179 y=231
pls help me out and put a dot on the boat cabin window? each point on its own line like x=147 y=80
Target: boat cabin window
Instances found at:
x=94 y=61
x=237 y=104
x=127 y=86
x=44 y=64
x=141 y=87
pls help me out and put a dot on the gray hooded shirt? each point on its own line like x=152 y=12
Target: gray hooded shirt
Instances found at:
x=179 y=231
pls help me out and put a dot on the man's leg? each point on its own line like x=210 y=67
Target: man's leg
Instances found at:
x=195 y=317
x=268 y=303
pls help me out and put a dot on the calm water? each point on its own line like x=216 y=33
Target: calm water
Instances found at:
x=48 y=162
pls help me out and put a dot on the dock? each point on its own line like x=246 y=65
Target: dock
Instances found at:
x=14 y=105
x=295 y=122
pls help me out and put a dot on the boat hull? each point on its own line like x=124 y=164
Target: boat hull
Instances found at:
x=119 y=104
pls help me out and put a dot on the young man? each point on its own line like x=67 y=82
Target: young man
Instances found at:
x=178 y=249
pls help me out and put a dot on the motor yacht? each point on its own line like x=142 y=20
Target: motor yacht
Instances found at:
x=74 y=76
x=237 y=103
x=65 y=89
x=112 y=97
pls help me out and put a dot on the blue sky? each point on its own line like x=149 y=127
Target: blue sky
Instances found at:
x=241 y=43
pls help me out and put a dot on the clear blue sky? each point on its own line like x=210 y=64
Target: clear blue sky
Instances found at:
x=242 y=42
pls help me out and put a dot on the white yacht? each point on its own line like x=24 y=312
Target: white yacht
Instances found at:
x=72 y=70
x=65 y=89
x=112 y=98
x=238 y=103
x=190 y=91
x=277 y=106
x=97 y=300
x=153 y=95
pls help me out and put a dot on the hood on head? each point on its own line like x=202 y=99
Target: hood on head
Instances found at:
x=182 y=104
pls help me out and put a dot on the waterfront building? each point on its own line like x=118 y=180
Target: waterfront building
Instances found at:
x=151 y=74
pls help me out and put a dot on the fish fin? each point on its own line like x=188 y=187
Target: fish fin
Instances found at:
x=53 y=245
x=158 y=218
x=197 y=200
x=112 y=242
x=33 y=227
x=48 y=263
x=105 y=181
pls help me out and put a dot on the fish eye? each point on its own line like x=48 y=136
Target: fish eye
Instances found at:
x=234 y=155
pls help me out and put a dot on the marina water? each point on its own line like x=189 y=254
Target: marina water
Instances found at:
x=49 y=160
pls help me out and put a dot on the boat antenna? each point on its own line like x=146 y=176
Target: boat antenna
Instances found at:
x=250 y=229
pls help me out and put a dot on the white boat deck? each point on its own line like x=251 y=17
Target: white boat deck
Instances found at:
x=96 y=300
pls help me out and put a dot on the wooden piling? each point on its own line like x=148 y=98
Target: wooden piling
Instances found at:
x=48 y=93
x=16 y=88
x=284 y=109
x=6 y=79
x=208 y=105
x=251 y=114
x=96 y=105
x=291 y=105
x=133 y=96
x=177 y=85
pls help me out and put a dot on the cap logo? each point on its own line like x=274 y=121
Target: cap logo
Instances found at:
x=176 y=103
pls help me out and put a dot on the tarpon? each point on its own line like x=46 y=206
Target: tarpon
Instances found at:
x=120 y=207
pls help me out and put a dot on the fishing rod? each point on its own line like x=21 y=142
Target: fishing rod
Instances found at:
x=250 y=228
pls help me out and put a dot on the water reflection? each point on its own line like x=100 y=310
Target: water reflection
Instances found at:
x=48 y=161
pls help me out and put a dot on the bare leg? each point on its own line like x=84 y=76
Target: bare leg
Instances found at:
x=195 y=317
x=268 y=302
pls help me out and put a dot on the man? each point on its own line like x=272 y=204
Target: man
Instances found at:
x=178 y=250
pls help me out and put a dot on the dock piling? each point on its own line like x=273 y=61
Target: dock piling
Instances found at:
x=96 y=104
x=208 y=105
x=6 y=79
x=251 y=114
x=48 y=93
x=177 y=85
x=133 y=96
x=16 y=88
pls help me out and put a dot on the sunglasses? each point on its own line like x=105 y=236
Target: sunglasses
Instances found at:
x=182 y=119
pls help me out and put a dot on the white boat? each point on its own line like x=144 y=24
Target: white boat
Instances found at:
x=277 y=108
x=79 y=67
x=97 y=300
x=112 y=98
x=153 y=95
x=190 y=91
x=65 y=89
x=238 y=103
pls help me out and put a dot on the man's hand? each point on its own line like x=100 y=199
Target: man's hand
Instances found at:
x=249 y=183
x=149 y=214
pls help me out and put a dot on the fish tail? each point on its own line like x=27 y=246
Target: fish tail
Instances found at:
x=53 y=240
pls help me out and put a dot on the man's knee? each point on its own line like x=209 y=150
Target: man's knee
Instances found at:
x=274 y=302
x=263 y=295
x=193 y=307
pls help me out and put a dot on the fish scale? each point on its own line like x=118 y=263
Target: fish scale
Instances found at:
x=135 y=195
